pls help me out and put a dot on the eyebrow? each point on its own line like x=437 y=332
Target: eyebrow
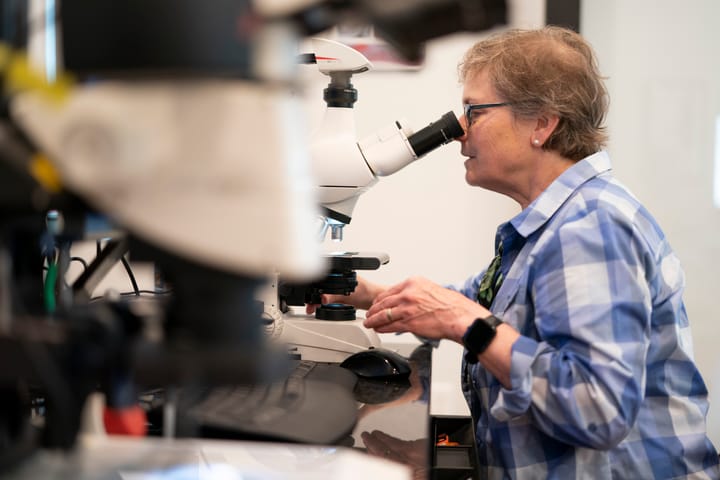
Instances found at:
x=472 y=101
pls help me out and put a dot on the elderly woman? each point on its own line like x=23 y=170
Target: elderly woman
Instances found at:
x=579 y=359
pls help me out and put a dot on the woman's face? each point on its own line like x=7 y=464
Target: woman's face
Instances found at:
x=497 y=144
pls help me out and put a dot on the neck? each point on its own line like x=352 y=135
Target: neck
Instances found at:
x=547 y=167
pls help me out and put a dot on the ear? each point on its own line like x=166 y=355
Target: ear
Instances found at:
x=544 y=127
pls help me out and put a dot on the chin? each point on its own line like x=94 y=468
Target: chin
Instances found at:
x=471 y=178
x=472 y=175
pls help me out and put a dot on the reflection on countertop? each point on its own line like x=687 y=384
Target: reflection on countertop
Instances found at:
x=393 y=419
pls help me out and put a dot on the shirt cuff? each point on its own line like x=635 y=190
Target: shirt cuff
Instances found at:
x=516 y=401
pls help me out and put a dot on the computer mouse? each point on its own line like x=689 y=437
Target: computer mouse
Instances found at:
x=377 y=363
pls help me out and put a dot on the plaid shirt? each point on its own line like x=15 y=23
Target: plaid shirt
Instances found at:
x=603 y=379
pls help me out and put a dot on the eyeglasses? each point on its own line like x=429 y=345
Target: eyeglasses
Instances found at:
x=473 y=107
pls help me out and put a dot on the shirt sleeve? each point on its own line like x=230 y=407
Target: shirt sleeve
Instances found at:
x=470 y=287
x=581 y=377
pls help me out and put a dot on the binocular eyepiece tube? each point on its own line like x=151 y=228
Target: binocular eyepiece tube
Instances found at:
x=392 y=148
x=438 y=133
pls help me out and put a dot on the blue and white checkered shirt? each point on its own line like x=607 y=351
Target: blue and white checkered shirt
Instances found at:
x=603 y=379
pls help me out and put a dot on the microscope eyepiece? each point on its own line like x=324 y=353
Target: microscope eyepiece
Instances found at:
x=394 y=147
x=440 y=132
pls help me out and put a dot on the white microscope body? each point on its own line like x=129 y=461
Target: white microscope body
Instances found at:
x=344 y=168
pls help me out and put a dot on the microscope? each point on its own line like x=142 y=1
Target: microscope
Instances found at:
x=344 y=168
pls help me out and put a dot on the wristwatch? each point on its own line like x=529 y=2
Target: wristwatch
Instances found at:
x=478 y=336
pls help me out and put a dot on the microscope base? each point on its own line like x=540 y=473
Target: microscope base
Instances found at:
x=326 y=340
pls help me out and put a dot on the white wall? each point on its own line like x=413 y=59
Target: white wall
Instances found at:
x=663 y=61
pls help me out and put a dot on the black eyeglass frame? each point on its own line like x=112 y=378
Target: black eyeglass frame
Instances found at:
x=468 y=108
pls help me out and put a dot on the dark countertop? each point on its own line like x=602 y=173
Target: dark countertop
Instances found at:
x=393 y=419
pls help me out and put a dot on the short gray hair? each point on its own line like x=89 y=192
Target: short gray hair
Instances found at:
x=550 y=70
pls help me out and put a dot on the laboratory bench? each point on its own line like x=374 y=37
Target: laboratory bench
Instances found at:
x=403 y=431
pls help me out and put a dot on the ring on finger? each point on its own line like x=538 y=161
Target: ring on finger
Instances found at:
x=388 y=314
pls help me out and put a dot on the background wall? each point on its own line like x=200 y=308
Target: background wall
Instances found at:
x=663 y=64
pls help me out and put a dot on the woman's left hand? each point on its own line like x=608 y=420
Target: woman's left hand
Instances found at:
x=424 y=308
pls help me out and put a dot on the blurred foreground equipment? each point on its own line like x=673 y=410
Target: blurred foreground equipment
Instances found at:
x=168 y=127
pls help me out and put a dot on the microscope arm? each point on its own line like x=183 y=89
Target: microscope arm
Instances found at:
x=344 y=168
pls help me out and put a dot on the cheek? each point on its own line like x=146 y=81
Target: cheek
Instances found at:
x=501 y=144
x=485 y=145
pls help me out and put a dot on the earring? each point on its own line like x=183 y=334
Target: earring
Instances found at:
x=536 y=142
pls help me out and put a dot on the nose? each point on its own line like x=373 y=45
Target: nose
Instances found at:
x=463 y=123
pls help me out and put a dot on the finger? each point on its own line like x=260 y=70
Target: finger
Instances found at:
x=382 y=317
x=381 y=309
x=379 y=306
x=375 y=320
x=377 y=446
x=384 y=437
x=391 y=328
x=395 y=289
x=372 y=444
x=376 y=316
x=386 y=446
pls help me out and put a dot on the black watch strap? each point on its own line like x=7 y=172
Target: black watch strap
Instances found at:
x=478 y=336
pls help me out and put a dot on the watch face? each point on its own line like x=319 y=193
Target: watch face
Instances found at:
x=479 y=335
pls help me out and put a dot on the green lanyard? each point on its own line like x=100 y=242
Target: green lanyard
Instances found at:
x=491 y=281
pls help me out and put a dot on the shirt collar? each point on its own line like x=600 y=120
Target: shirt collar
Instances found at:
x=544 y=206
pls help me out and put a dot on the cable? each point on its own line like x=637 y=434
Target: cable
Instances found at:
x=80 y=260
x=129 y=271
x=49 y=288
x=135 y=294
x=126 y=264
x=147 y=292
